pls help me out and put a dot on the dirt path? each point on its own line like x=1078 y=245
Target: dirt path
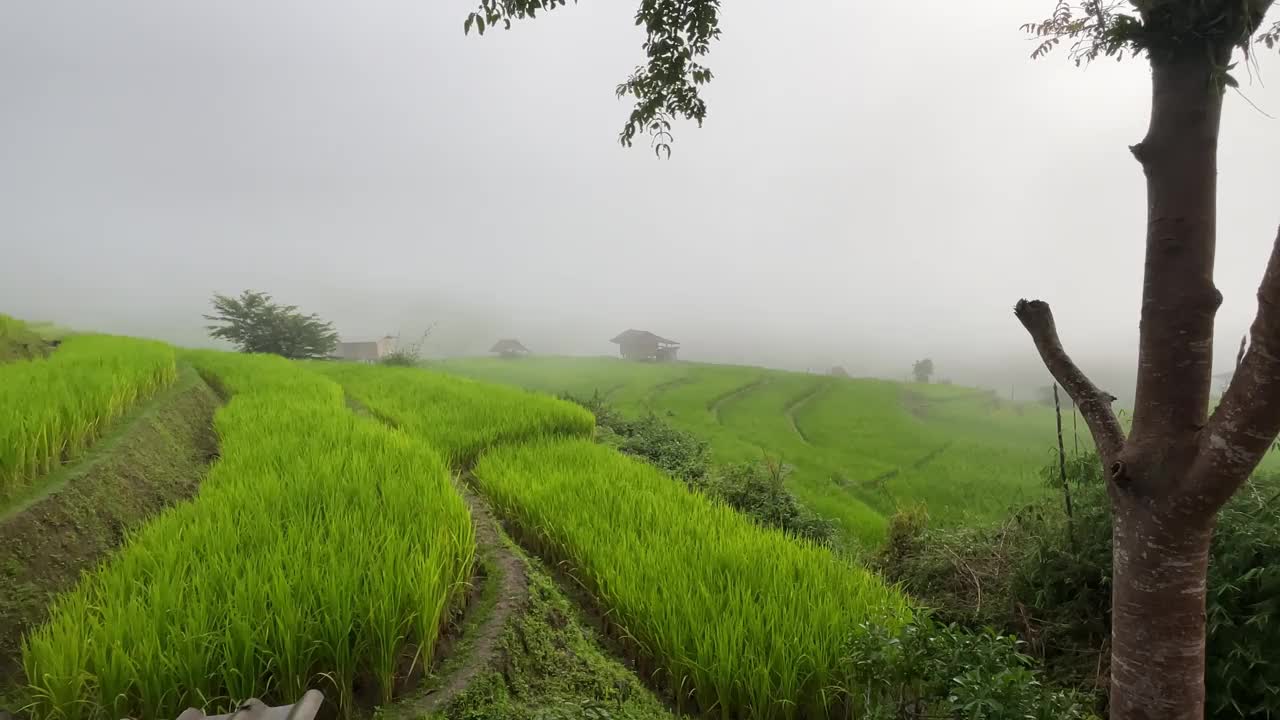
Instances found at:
x=716 y=404
x=477 y=648
x=795 y=405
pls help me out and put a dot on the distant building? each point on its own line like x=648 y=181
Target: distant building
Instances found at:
x=838 y=371
x=644 y=345
x=369 y=352
x=509 y=348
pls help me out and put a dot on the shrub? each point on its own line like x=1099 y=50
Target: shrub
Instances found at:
x=682 y=455
x=926 y=669
x=756 y=490
x=1049 y=579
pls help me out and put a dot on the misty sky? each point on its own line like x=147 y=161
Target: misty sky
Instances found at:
x=875 y=181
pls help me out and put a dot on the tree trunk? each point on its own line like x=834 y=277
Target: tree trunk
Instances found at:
x=1158 y=602
x=1177 y=467
x=1162 y=529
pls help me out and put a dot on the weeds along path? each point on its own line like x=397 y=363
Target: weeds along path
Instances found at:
x=794 y=405
x=502 y=582
x=718 y=402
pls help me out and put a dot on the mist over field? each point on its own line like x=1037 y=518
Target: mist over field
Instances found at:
x=857 y=196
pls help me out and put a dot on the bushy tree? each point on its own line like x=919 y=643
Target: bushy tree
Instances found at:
x=256 y=324
x=922 y=370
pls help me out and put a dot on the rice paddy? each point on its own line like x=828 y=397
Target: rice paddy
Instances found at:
x=328 y=544
x=740 y=621
x=323 y=550
x=456 y=416
x=860 y=449
x=52 y=408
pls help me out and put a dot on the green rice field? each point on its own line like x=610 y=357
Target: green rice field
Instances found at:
x=52 y=408
x=321 y=547
x=860 y=449
x=740 y=621
x=457 y=417
x=329 y=544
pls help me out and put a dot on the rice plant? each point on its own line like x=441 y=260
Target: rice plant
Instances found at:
x=456 y=416
x=323 y=549
x=740 y=621
x=53 y=408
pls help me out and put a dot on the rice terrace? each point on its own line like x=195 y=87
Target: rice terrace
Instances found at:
x=330 y=539
x=500 y=360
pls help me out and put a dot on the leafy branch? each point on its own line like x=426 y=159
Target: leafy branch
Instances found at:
x=668 y=85
x=1164 y=29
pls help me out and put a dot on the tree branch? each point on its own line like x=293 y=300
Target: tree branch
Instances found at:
x=1246 y=422
x=1094 y=404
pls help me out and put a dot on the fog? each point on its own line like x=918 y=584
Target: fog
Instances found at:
x=875 y=182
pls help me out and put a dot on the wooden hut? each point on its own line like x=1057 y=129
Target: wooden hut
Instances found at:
x=509 y=348
x=645 y=346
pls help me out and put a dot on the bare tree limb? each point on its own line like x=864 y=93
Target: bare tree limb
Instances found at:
x=1247 y=420
x=1094 y=404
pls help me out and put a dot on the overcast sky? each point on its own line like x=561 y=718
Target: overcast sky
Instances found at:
x=875 y=181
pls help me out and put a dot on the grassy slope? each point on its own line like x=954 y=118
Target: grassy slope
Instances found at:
x=859 y=448
x=153 y=456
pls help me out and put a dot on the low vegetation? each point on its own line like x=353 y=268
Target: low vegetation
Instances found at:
x=551 y=666
x=53 y=408
x=736 y=619
x=1047 y=577
x=322 y=549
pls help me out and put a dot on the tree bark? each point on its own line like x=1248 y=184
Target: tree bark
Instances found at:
x=1161 y=559
x=1161 y=526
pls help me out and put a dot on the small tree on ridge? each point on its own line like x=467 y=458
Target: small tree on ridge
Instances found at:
x=922 y=370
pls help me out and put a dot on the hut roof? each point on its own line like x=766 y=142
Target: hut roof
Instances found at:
x=508 y=345
x=641 y=336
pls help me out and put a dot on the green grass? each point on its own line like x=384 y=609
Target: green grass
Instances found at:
x=860 y=449
x=322 y=547
x=457 y=417
x=740 y=621
x=52 y=409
